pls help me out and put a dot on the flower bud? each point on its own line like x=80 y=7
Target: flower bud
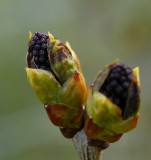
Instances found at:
x=112 y=103
x=55 y=74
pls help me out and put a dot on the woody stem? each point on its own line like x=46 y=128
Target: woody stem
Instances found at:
x=85 y=151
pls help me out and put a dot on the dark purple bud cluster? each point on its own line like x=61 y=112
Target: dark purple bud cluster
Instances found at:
x=117 y=84
x=38 y=50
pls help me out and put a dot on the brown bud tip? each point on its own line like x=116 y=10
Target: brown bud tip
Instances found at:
x=98 y=143
x=68 y=132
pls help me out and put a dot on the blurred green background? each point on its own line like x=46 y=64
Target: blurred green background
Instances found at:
x=99 y=31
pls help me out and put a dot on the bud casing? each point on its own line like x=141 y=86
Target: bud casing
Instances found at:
x=107 y=120
x=57 y=80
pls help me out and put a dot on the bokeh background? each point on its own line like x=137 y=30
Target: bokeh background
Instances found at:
x=99 y=31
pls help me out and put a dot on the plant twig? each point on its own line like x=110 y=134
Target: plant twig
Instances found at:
x=85 y=151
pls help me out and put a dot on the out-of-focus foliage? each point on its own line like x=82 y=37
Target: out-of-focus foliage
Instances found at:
x=99 y=31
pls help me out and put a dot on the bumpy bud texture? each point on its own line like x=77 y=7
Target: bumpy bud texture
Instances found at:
x=38 y=51
x=117 y=84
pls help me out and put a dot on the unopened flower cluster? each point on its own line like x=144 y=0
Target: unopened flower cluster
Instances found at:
x=106 y=109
